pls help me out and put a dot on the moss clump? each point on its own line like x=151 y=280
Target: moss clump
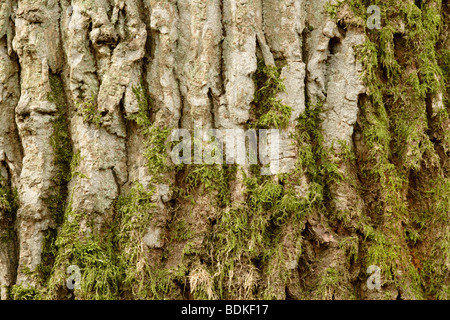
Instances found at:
x=329 y=280
x=19 y=292
x=94 y=254
x=62 y=149
x=8 y=199
x=432 y=217
x=213 y=178
x=134 y=213
x=155 y=138
x=269 y=110
x=401 y=130
x=156 y=151
x=382 y=252
x=332 y=9
x=181 y=231
x=142 y=117
x=9 y=204
x=255 y=234
x=80 y=242
x=314 y=160
x=350 y=246
x=88 y=110
x=249 y=235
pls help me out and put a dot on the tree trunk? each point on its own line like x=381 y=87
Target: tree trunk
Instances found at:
x=92 y=205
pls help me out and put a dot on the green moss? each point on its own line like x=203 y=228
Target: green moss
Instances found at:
x=9 y=204
x=269 y=109
x=436 y=269
x=253 y=233
x=7 y=234
x=332 y=9
x=213 y=178
x=62 y=149
x=435 y=266
x=135 y=210
x=142 y=117
x=162 y=284
x=328 y=283
x=88 y=110
x=381 y=252
x=8 y=199
x=350 y=246
x=181 y=231
x=396 y=128
x=238 y=238
x=49 y=251
x=19 y=292
x=250 y=234
x=155 y=138
x=94 y=254
x=134 y=213
x=156 y=147
x=315 y=160
x=190 y=249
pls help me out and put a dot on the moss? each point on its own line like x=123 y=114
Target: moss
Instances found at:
x=62 y=149
x=19 y=292
x=135 y=210
x=350 y=246
x=88 y=110
x=382 y=252
x=435 y=268
x=94 y=254
x=142 y=117
x=397 y=129
x=7 y=234
x=155 y=138
x=190 y=249
x=250 y=234
x=436 y=271
x=248 y=239
x=329 y=281
x=90 y=249
x=253 y=233
x=332 y=9
x=162 y=284
x=315 y=160
x=8 y=199
x=181 y=231
x=269 y=110
x=9 y=204
x=74 y=164
x=134 y=213
x=145 y=279
x=213 y=178
x=237 y=238
x=156 y=147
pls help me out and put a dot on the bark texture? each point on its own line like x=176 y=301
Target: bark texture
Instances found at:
x=91 y=89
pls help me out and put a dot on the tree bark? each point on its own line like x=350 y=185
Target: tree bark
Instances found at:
x=90 y=92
